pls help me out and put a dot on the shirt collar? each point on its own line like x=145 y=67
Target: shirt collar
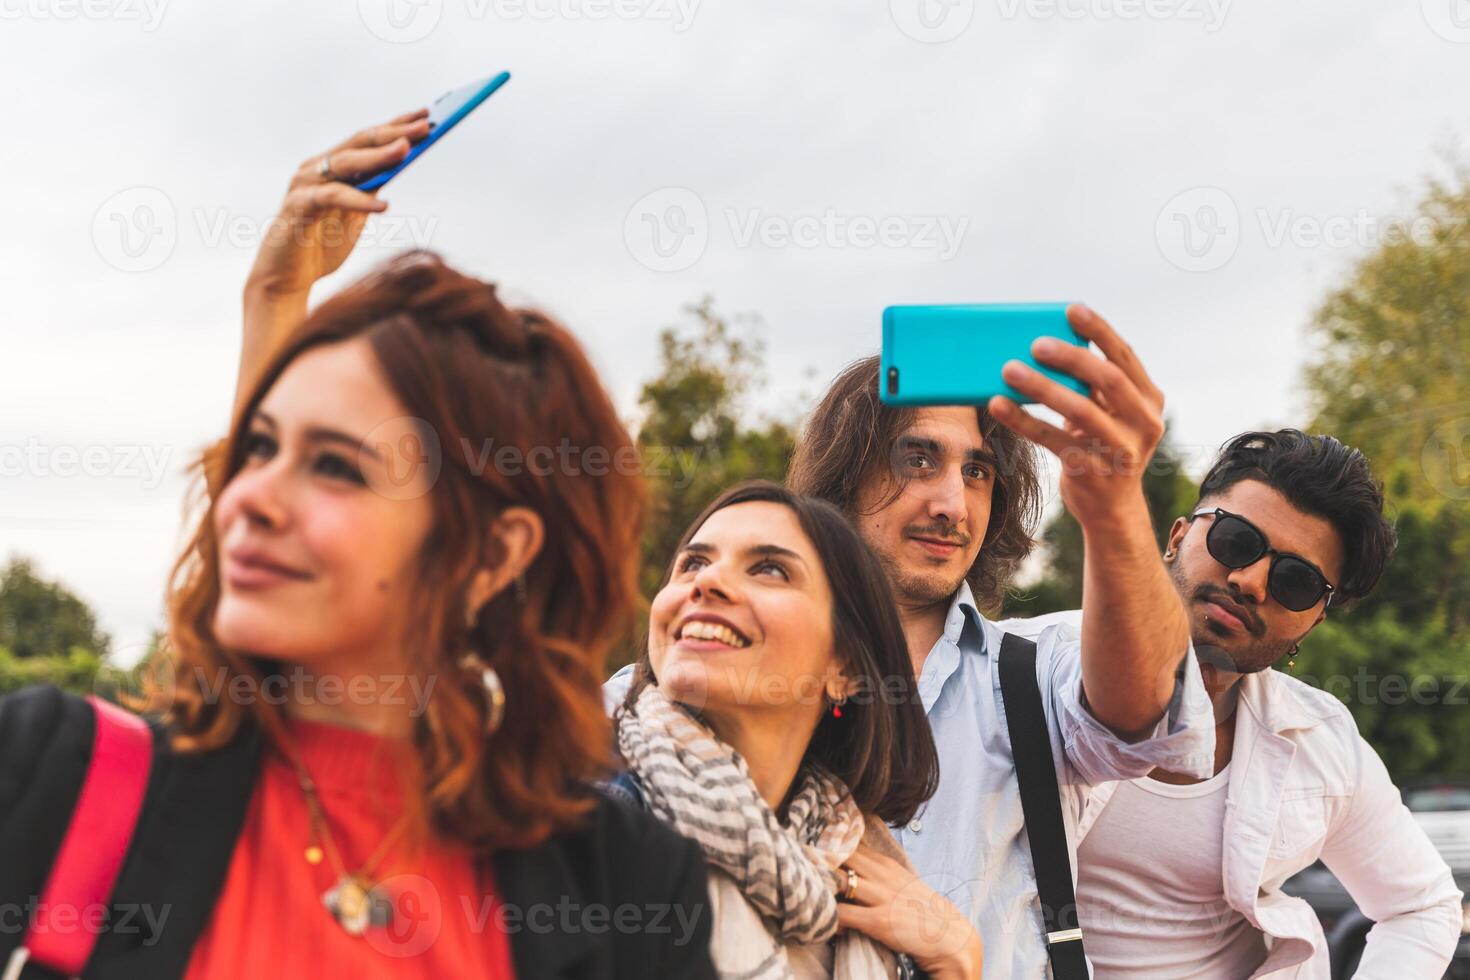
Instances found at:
x=962 y=611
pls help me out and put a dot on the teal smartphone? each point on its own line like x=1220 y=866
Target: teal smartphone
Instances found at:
x=952 y=355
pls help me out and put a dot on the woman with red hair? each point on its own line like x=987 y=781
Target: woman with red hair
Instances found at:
x=377 y=717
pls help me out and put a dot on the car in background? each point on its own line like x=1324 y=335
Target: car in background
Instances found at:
x=1442 y=808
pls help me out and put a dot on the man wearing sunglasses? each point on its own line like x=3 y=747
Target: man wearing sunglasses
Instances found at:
x=1181 y=877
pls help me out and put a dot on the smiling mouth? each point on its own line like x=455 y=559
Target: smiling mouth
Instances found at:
x=937 y=546
x=699 y=629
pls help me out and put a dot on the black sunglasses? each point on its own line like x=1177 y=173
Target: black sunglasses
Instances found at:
x=1292 y=581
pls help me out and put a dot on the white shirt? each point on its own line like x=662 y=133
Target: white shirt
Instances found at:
x=1305 y=785
x=1150 y=895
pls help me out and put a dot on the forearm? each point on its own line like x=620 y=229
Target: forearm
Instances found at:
x=269 y=317
x=1134 y=629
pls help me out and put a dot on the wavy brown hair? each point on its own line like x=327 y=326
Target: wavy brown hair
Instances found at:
x=472 y=370
x=851 y=438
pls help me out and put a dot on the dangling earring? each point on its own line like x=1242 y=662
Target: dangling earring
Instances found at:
x=837 y=707
x=1291 y=657
x=520 y=586
x=488 y=678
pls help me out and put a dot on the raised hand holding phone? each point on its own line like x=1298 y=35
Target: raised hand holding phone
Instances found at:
x=1109 y=433
x=1134 y=630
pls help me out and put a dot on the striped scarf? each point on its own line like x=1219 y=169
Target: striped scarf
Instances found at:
x=788 y=874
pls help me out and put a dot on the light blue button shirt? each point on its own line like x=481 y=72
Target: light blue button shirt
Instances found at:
x=968 y=842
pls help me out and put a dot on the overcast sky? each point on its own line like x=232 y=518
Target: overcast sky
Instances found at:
x=1200 y=171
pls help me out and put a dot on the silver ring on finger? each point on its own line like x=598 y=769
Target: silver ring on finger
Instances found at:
x=850 y=892
x=324 y=168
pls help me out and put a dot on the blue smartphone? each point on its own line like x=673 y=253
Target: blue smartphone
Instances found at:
x=952 y=355
x=444 y=114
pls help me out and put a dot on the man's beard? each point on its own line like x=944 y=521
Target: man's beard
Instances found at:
x=914 y=589
x=1259 y=652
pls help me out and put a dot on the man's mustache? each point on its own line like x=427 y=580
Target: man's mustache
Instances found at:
x=940 y=532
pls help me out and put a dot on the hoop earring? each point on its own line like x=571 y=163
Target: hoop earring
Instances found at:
x=489 y=680
x=1291 y=656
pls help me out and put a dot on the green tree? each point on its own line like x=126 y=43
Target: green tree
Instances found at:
x=39 y=617
x=1392 y=373
x=1392 y=377
x=696 y=435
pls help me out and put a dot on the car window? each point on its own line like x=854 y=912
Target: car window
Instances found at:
x=1437 y=799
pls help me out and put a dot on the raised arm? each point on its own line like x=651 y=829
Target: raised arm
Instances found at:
x=318 y=226
x=1134 y=628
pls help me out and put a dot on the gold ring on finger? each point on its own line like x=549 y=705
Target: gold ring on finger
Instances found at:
x=850 y=892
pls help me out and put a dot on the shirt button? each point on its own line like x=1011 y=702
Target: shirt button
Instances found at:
x=916 y=825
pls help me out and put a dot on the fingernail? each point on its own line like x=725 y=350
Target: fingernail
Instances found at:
x=1045 y=345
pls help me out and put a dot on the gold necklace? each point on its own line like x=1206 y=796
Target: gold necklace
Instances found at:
x=354 y=901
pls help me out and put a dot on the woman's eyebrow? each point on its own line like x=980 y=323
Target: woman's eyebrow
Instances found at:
x=774 y=551
x=319 y=433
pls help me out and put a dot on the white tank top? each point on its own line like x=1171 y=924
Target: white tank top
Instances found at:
x=1150 y=889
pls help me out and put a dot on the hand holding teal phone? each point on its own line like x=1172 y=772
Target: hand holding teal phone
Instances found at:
x=953 y=355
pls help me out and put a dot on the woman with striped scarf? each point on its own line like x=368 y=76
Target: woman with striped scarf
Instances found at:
x=774 y=719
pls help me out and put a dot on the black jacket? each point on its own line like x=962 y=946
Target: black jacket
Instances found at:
x=192 y=815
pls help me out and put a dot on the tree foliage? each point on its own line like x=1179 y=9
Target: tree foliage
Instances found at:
x=40 y=617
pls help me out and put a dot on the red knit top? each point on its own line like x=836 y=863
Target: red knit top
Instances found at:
x=269 y=919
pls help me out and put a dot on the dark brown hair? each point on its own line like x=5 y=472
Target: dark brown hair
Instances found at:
x=851 y=438
x=1323 y=477
x=882 y=747
x=471 y=370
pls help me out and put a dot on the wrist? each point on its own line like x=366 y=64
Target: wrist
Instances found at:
x=1125 y=514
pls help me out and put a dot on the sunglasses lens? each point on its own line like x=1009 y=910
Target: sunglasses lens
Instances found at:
x=1295 y=584
x=1234 y=543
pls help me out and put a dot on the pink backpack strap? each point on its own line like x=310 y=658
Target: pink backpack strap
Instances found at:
x=74 y=901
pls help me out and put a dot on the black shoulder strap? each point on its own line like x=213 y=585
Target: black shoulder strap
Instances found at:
x=1041 y=803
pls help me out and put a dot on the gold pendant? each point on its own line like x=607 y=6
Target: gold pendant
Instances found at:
x=356 y=906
